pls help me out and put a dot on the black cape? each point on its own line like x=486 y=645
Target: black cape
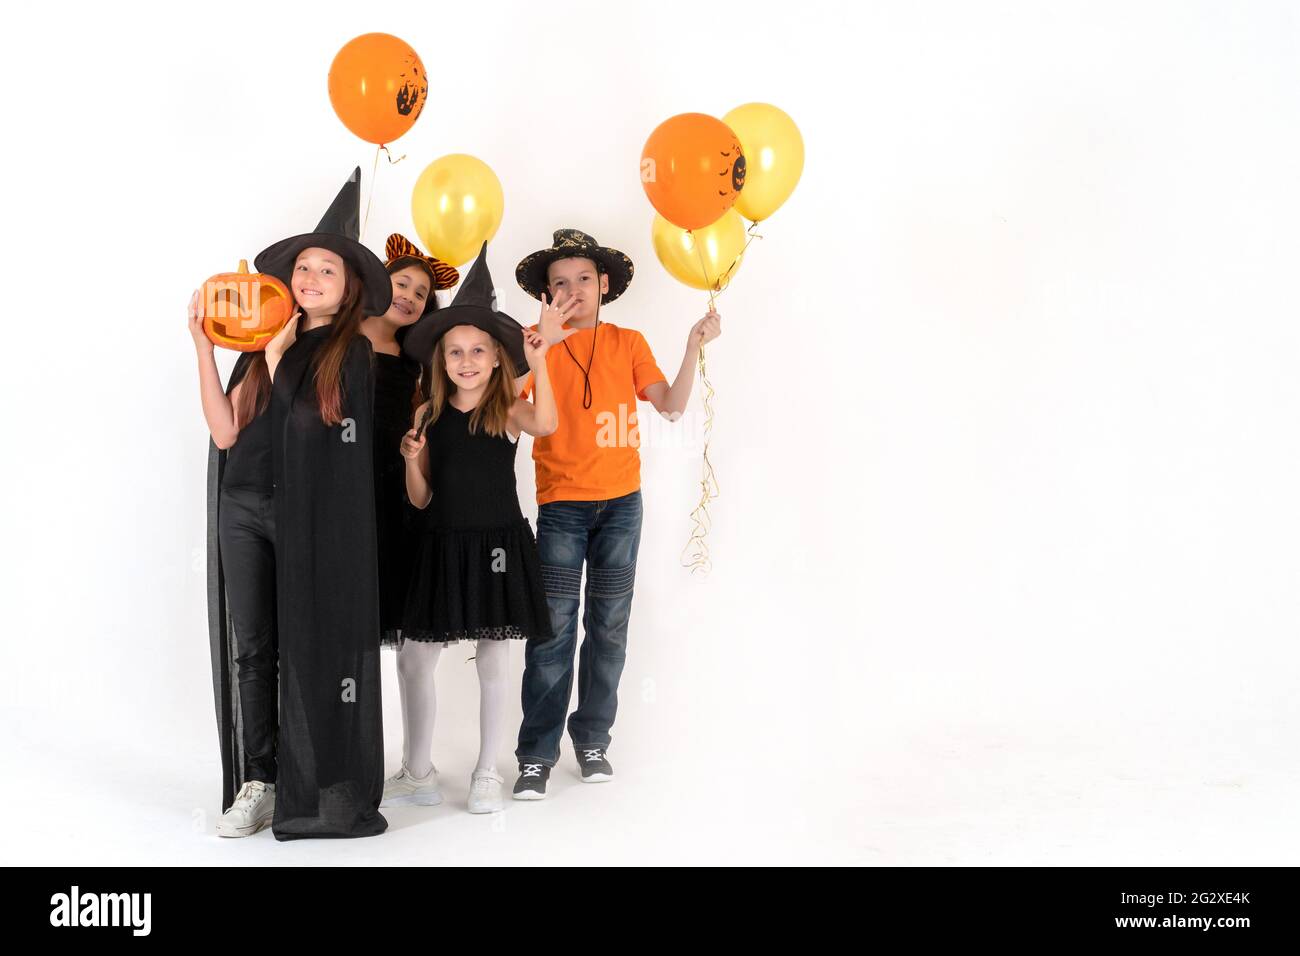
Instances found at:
x=221 y=629
x=330 y=754
x=396 y=378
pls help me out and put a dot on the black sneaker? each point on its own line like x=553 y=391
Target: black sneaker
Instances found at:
x=594 y=765
x=531 y=784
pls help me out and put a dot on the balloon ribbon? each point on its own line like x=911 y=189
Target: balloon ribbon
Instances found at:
x=373 y=171
x=697 y=544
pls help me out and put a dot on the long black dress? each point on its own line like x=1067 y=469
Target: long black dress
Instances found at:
x=331 y=761
x=395 y=381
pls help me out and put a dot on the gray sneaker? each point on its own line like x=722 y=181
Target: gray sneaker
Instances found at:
x=595 y=765
x=531 y=784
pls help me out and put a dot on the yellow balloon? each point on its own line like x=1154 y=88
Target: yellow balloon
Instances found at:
x=773 y=157
x=457 y=205
x=702 y=258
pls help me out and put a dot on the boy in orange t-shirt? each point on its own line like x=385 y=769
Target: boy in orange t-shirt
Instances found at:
x=588 y=496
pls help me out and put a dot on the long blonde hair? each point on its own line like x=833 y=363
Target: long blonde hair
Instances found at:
x=493 y=410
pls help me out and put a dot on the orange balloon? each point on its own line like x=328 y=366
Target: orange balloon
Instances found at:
x=378 y=87
x=692 y=169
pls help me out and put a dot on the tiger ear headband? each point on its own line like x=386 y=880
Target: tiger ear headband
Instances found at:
x=399 y=249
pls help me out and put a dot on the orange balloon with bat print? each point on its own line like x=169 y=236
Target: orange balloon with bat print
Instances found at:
x=243 y=310
x=378 y=86
x=692 y=169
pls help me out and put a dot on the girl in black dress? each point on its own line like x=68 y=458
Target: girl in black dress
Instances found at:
x=416 y=278
x=330 y=756
x=477 y=576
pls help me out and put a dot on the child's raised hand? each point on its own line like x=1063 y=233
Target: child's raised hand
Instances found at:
x=553 y=317
x=707 y=329
x=201 y=340
x=280 y=343
x=535 y=348
x=412 y=445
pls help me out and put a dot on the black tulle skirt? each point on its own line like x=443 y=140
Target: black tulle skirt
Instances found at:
x=469 y=585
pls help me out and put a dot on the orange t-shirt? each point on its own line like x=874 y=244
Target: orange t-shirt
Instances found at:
x=592 y=455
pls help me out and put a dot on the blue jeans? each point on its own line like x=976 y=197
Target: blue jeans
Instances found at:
x=606 y=535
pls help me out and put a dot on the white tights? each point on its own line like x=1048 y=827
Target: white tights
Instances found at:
x=416 y=662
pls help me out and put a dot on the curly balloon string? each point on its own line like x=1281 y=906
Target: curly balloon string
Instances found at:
x=374 y=171
x=697 y=544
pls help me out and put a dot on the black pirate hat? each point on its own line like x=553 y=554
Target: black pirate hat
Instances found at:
x=475 y=304
x=338 y=231
x=569 y=244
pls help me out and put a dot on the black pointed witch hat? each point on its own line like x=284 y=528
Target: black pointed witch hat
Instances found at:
x=338 y=231
x=475 y=304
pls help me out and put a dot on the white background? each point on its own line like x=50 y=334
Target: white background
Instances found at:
x=1005 y=564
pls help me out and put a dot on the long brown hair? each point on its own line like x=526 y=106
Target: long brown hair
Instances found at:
x=493 y=410
x=420 y=395
x=254 y=391
x=328 y=362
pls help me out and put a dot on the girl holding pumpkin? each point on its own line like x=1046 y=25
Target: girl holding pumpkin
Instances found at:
x=322 y=416
x=242 y=580
x=319 y=375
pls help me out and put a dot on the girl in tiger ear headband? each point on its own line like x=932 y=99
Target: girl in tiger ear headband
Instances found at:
x=416 y=279
x=588 y=497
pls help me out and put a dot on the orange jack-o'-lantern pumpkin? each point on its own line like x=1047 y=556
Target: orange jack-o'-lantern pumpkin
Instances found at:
x=243 y=310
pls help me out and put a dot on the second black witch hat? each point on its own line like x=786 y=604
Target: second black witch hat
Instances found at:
x=475 y=304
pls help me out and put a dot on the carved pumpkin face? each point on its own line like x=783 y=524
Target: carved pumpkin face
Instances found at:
x=242 y=311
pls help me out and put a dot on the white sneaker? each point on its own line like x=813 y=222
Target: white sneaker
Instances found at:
x=252 y=810
x=404 y=790
x=485 y=791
